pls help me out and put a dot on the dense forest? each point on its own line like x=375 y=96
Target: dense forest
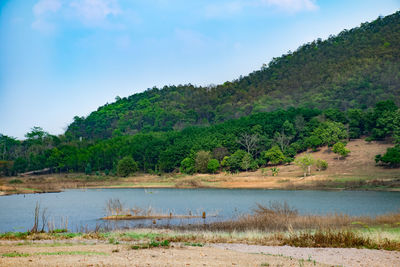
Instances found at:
x=247 y=143
x=355 y=69
x=324 y=93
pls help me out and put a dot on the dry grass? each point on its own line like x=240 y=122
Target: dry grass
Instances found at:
x=338 y=239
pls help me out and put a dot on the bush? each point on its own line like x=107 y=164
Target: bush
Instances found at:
x=213 y=165
x=234 y=162
x=321 y=165
x=391 y=157
x=340 y=149
x=187 y=166
x=201 y=162
x=126 y=166
x=274 y=171
x=274 y=155
x=88 y=169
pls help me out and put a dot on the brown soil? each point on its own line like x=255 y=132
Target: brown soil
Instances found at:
x=356 y=171
x=122 y=255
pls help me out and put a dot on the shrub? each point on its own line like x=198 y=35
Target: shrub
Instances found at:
x=187 y=166
x=369 y=139
x=126 y=166
x=201 y=161
x=340 y=149
x=234 y=162
x=213 y=165
x=391 y=157
x=321 y=165
x=88 y=169
x=274 y=155
x=275 y=171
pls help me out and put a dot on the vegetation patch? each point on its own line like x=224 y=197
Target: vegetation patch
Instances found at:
x=15 y=255
x=15 y=181
x=337 y=239
x=152 y=244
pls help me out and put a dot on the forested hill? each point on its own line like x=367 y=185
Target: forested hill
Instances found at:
x=354 y=69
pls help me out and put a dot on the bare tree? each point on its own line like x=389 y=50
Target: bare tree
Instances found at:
x=250 y=142
x=282 y=140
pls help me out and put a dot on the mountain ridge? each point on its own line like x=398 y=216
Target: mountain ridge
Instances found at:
x=355 y=69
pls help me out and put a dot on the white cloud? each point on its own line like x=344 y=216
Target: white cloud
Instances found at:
x=40 y=10
x=229 y=8
x=223 y=9
x=291 y=5
x=89 y=12
x=43 y=26
x=95 y=11
x=44 y=6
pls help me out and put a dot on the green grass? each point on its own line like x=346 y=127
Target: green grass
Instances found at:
x=152 y=244
x=139 y=236
x=15 y=255
x=85 y=253
x=54 y=244
x=58 y=253
x=67 y=235
x=14 y=235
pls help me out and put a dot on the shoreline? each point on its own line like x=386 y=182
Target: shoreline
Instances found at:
x=159 y=185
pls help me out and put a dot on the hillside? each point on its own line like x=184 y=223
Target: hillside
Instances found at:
x=354 y=69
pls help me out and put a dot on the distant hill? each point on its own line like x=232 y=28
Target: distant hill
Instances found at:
x=354 y=69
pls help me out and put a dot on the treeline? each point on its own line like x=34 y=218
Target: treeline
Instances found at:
x=355 y=69
x=242 y=144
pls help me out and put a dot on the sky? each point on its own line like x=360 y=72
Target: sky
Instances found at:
x=65 y=58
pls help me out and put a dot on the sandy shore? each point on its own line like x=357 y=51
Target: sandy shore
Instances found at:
x=96 y=253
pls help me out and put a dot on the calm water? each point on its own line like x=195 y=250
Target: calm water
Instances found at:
x=85 y=207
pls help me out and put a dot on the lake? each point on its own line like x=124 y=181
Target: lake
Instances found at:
x=84 y=208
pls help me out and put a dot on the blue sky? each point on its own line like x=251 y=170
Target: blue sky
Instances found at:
x=62 y=58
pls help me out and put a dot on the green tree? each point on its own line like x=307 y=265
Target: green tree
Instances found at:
x=234 y=162
x=187 y=166
x=396 y=130
x=314 y=142
x=340 y=149
x=247 y=162
x=305 y=162
x=213 y=165
x=274 y=156
x=126 y=166
x=201 y=161
x=88 y=169
x=330 y=132
x=391 y=157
